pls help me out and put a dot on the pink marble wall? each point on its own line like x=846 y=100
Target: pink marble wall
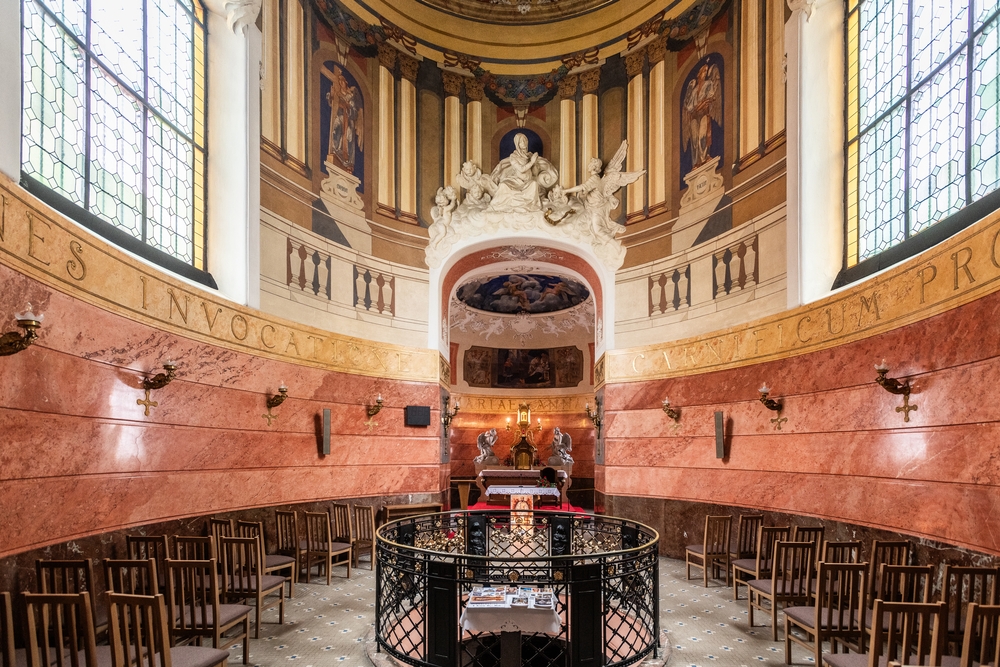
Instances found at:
x=78 y=457
x=844 y=454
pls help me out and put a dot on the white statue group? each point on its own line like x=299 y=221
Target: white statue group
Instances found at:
x=562 y=445
x=521 y=193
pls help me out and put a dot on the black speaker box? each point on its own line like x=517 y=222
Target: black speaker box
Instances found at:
x=418 y=415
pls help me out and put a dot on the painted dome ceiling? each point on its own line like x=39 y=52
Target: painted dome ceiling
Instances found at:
x=515 y=293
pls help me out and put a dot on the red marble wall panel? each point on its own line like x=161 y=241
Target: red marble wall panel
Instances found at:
x=78 y=456
x=844 y=454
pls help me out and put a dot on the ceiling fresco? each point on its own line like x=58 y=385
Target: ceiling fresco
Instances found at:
x=513 y=293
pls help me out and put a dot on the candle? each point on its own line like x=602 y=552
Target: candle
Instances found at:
x=666 y=400
x=29 y=314
x=764 y=389
x=882 y=366
x=282 y=388
x=378 y=399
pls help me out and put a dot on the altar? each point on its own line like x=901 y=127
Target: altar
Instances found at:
x=503 y=480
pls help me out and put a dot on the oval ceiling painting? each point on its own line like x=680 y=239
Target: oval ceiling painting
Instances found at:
x=522 y=293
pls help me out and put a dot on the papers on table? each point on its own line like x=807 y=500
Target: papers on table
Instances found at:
x=511 y=596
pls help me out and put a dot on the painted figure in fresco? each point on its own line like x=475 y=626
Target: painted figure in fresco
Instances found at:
x=346 y=121
x=702 y=105
x=520 y=179
x=485 y=442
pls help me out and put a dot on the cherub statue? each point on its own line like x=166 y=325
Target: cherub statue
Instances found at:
x=562 y=445
x=446 y=201
x=485 y=442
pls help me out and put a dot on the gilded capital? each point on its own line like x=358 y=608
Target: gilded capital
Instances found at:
x=387 y=56
x=634 y=63
x=408 y=67
x=474 y=90
x=568 y=86
x=452 y=84
x=657 y=50
x=590 y=80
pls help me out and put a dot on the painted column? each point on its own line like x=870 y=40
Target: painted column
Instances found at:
x=635 y=197
x=474 y=122
x=815 y=196
x=295 y=83
x=408 y=138
x=270 y=113
x=657 y=175
x=386 y=202
x=452 y=127
x=567 y=130
x=590 y=80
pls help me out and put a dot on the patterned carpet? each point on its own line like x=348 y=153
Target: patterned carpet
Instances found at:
x=331 y=625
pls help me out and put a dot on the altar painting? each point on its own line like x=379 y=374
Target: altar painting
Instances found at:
x=342 y=121
x=509 y=368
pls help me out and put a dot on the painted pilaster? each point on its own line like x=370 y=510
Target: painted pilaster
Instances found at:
x=635 y=197
x=657 y=174
x=474 y=122
x=590 y=81
x=452 y=127
x=408 y=138
x=386 y=130
x=567 y=130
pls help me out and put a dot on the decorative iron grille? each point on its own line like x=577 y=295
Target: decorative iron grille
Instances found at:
x=602 y=571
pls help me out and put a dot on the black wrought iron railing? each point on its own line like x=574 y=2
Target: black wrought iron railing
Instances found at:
x=602 y=571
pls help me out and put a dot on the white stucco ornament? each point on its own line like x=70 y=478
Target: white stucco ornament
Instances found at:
x=521 y=196
x=240 y=14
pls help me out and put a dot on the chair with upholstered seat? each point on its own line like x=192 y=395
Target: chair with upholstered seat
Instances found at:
x=244 y=578
x=196 y=611
x=837 y=616
x=961 y=586
x=218 y=528
x=138 y=629
x=812 y=534
x=131 y=577
x=364 y=538
x=10 y=656
x=981 y=639
x=194 y=547
x=155 y=547
x=321 y=549
x=912 y=635
x=713 y=553
x=746 y=537
x=903 y=583
x=791 y=578
x=889 y=552
x=287 y=539
x=60 y=631
x=848 y=551
x=72 y=576
x=274 y=562
x=745 y=569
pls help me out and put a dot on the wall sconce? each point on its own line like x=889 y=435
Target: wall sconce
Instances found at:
x=275 y=401
x=373 y=410
x=894 y=386
x=595 y=417
x=158 y=381
x=12 y=341
x=447 y=415
x=772 y=404
x=673 y=413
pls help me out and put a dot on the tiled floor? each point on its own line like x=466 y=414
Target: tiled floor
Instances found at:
x=328 y=625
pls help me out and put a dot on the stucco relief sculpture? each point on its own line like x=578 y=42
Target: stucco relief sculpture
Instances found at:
x=522 y=195
x=485 y=442
x=562 y=445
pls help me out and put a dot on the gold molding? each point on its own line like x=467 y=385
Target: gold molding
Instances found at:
x=951 y=274
x=40 y=243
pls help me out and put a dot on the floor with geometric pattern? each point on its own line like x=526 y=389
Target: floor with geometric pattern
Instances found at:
x=329 y=625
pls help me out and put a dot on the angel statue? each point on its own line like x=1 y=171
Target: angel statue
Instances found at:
x=702 y=105
x=562 y=445
x=446 y=200
x=485 y=442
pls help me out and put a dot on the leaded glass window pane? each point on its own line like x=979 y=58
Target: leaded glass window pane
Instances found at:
x=922 y=116
x=113 y=117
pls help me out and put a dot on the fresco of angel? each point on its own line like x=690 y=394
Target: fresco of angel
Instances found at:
x=702 y=104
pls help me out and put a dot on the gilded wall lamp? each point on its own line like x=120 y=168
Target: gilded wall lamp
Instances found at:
x=158 y=381
x=673 y=413
x=275 y=401
x=371 y=411
x=12 y=341
x=447 y=415
x=595 y=417
x=894 y=386
x=772 y=404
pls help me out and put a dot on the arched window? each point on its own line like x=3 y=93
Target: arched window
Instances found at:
x=113 y=123
x=923 y=120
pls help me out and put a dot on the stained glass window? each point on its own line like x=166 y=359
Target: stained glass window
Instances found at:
x=923 y=115
x=114 y=114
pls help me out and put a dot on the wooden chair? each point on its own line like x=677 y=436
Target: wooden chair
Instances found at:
x=194 y=547
x=244 y=578
x=139 y=630
x=791 y=577
x=131 y=577
x=364 y=539
x=72 y=576
x=842 y=552
x=154 y=547
x=272 y=562
x=288 y=542
x=60 y=631
x=746 y=537
x=217 y=528
x=837 y=615
x=10 y=656
x=341 y=526
x=759 y=567
x=961 y=586
x=320 y=548
x=812 y=534
x=913 y=635
x=902 y=583
x=713 y=552
x=981 y=640
x=888 y=552
x=195 y=608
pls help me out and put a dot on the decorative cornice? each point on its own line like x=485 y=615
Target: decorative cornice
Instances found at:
x=240 y=14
